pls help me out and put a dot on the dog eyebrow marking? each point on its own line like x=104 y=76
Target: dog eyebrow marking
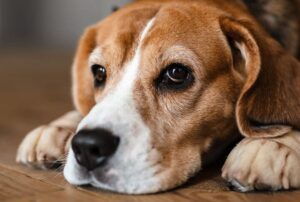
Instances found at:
x=95 y=56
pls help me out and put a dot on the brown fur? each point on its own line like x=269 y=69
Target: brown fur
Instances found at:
x=269 y=104
x=268 y=94
x=279 y=74
x=244 y=79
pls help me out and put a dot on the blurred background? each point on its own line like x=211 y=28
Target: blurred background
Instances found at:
x=55 y=24
x=38 y=39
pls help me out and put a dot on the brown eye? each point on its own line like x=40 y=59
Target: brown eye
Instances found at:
x=175 y=77
x=99 y=73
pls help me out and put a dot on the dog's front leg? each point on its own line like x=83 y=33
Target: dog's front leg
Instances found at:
x=265 y=163
x=46 y=146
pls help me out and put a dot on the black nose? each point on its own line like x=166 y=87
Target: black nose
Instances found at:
x=93 y=147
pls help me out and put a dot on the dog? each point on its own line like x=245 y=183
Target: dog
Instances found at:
x=159 y=85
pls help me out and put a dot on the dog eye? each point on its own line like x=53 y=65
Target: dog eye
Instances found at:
x=99 y=73
x=176 y=76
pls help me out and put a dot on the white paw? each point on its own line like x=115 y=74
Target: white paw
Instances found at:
x=264 y=164
x=44 y=147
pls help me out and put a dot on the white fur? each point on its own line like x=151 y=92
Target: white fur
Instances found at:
x=264 y=163
x=95 y=57
x=118 y=106
x=242 y=188
x=134 y=168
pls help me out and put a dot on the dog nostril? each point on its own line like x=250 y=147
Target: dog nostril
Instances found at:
x=76 y=150
x=95 y=151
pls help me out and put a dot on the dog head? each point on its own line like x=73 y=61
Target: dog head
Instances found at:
x=159 y=83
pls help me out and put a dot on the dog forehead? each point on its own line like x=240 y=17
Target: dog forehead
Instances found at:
x=193 y=26
x=178 y=15
x=176 y=23
x=125 y=25
x=118 y=35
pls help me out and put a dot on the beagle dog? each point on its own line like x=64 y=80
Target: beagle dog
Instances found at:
x=159 y=85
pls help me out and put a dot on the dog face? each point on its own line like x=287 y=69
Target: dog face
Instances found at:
x=158 y=83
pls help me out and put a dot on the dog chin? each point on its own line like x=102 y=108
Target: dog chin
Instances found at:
x=147 y=179
x=121 y=185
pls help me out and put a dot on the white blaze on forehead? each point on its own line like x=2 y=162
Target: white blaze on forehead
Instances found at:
x=135 y=164
x=118 y=106
x=117 y=113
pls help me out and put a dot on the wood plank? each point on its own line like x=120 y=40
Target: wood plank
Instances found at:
x=49 y=176
x=78 y=196
x=287 y=196
x=75 y=195
x=14 y=184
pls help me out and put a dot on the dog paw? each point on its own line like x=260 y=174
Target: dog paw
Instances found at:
x=45 y=147
x=264 y=164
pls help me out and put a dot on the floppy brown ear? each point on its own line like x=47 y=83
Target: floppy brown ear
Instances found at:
x=269 y=102
x=83 y=87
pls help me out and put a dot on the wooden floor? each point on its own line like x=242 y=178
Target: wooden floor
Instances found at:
x=34 y=89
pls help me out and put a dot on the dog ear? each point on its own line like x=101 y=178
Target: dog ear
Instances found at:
x=269 y=102
x=83 y=85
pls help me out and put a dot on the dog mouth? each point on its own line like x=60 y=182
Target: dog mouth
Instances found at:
x=131 y=176
x=146 y=181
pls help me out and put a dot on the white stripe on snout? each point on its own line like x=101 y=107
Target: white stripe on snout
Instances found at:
x=117 y=110
x=117 y=113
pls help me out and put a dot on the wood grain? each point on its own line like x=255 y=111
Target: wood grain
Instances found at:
x=14 y=185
